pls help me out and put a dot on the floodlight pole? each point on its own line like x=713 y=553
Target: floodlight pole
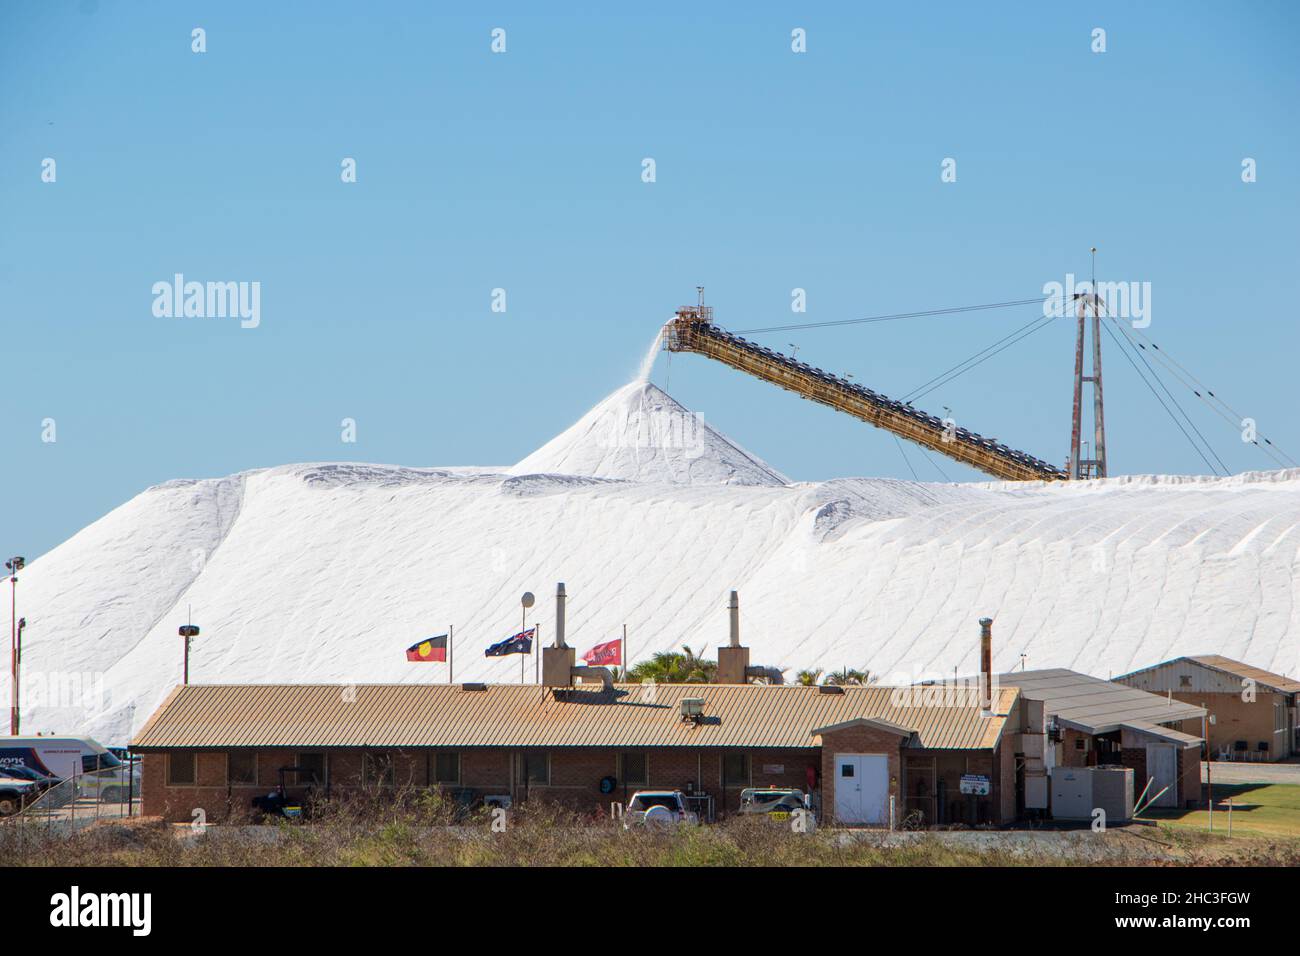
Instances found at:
x=14 y=564
x=526 y=601
x=188 y=632
x=18 y=671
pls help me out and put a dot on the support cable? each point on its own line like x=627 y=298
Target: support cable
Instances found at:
x=930 y=459
x=1218 y=405
x=1165 y=389
x=906 y=460
x=1209 y=464
x=890 y=318
x=1021 y=333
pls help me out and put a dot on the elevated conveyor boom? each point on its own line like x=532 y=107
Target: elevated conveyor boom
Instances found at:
x=693 y=331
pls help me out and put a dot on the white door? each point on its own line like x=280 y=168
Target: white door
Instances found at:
x=1162 y=765
x=861 y=789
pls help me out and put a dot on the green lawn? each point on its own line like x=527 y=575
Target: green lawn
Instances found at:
x=1257 y=810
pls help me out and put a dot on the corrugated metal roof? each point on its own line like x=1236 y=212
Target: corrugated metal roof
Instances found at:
x=1277 y=682
x=505 y=715
x=1097 y=706
x=1164 y=733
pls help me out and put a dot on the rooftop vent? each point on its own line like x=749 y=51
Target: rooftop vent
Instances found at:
x=473 y=686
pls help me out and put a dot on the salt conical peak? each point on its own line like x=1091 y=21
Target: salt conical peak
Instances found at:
x=640 y=433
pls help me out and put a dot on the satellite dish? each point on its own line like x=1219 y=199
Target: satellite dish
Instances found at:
x=528 y=600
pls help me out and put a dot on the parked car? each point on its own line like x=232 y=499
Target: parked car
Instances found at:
x=43 y=780
x=658 y=808
x=778 y=802
x=44 y=783
x=15 y=794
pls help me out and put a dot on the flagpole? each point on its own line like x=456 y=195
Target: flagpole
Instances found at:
x=537 y=654
x=623 y=653
x=451 y=654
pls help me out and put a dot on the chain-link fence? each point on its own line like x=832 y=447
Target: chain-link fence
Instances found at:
x=84 y=799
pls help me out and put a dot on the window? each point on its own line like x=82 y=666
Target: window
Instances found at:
x=846 y=770
x=1184 y=680
x=92 y=762
x=377 y=770
x=446 y=767
x=644 y=801
x=180 y=768
x=311 y=769
x=241 y=767
x=537 y=767
x=634 y=769
x=735 y=768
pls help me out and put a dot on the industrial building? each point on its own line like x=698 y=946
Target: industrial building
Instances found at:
x=1253 y=713
x=1091 y=722
x=858 y=749
x=979 y=752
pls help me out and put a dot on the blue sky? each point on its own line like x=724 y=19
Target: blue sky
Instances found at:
x=522 y=171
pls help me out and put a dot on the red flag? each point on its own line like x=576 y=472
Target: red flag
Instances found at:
x=611 y=652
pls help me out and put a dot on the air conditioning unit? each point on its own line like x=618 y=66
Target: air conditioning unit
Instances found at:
x=692 y=708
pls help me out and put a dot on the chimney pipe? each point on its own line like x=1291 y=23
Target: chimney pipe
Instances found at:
x=559 y=615
x=986 y=665
x=734 y=606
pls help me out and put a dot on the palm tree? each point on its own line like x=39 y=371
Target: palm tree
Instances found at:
x=808 y=678
x=848 y=677
x=672 y=667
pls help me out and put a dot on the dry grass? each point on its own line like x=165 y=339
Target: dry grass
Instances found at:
x=419 y=829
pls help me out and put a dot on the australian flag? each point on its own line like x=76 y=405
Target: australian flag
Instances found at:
x=521 y=643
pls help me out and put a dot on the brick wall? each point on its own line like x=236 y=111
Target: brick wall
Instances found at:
x=859 y=740
x=1235 y=719
x=575 y=776
x=1071 y=755
x=1135 y=758
x=209 y=799
x=1003 y=796
x=927 y=773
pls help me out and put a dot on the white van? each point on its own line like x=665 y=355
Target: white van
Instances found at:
x=98 y=772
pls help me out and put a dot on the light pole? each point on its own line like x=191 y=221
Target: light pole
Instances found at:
x=14 y=565
x=188 y=632
x=525 y=602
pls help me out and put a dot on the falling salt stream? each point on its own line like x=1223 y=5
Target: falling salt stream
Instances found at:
x=648 y=363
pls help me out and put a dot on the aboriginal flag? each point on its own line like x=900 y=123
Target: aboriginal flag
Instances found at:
x=429 y=649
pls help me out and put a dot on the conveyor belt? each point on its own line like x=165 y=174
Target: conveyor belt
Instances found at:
x=693 y=331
